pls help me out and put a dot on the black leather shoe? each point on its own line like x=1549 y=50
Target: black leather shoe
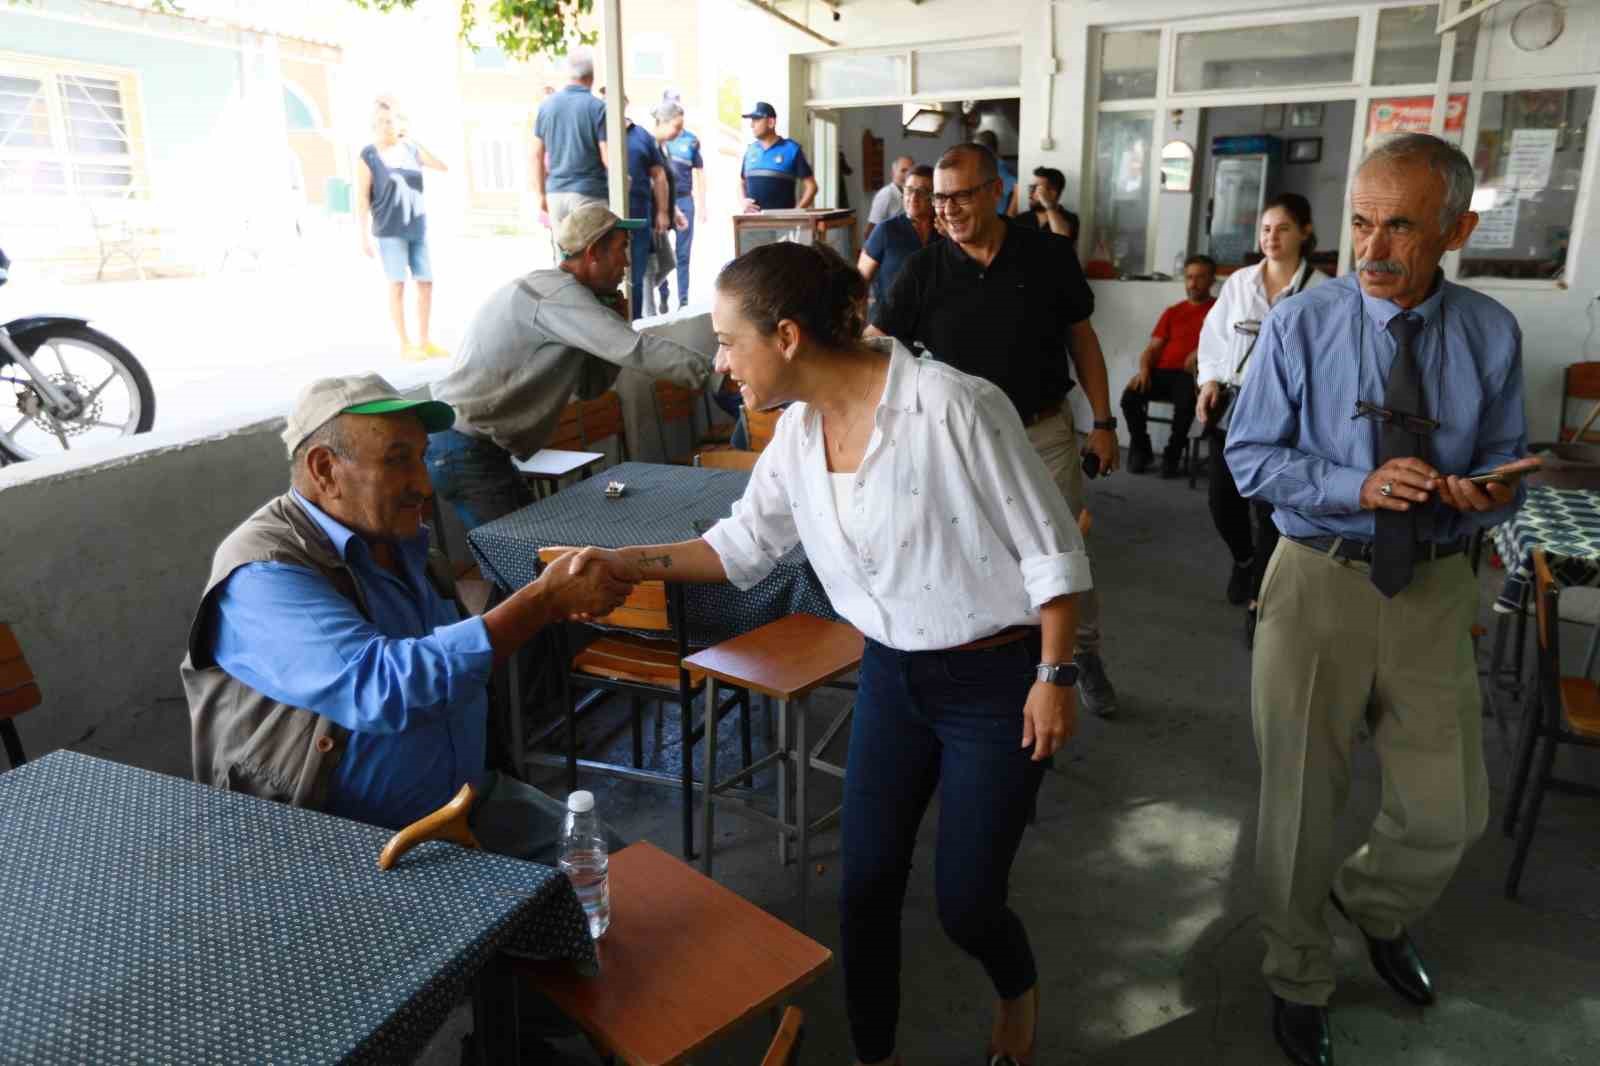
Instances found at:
x=1140 y=456
x=1302 y=1031
x=1396 y=961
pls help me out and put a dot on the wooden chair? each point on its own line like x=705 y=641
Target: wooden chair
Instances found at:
x=603 y=420
x=564 y=454
x=1560 y=710
x=685 y=963
x=19 y=693
x=643 y=668
x=674 y=403
x=1581 y=381
x=786 y=661
x=761 y=426
x=727 y=459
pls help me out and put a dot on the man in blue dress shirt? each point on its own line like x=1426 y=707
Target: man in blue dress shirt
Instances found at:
x=1369 y=401
x=772 y=165
x=329 y=668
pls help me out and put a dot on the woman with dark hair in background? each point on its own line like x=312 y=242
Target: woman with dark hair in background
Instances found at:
x=1226 y=342
x=938 y=533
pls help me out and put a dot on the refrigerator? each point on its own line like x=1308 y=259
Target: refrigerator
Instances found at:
x=1244 y=173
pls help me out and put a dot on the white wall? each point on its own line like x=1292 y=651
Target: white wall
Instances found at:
x=104 y=563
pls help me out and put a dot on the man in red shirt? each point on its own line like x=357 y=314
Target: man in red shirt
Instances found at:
x=1167 y=369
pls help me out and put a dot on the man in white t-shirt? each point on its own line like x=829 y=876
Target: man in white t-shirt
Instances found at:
x=889 y=201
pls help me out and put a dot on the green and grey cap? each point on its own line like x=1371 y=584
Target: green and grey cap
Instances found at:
x=358 y=394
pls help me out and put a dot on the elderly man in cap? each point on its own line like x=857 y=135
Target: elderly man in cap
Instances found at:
x=533 y=344
x=1370 y=402
x=329 y=666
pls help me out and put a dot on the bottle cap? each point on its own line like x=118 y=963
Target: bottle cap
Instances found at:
x=580 y=802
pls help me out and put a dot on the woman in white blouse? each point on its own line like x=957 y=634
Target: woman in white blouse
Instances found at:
x=938 y=533
x=1226 y=342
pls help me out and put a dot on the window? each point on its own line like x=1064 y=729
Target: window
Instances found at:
x=1407 y=46
x=970 y=68
x=1529 y=162
x=650 y=56
x=846 y=76
x=1128 y=64
x=1123 y=163
x=1262 y=57
x=496 y=163
x=64 y=131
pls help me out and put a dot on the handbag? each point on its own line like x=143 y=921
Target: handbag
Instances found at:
x=1222 y=416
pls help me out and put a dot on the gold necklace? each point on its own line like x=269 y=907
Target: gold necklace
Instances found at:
x=843 y=438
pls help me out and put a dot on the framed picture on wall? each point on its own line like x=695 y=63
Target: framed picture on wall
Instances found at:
x=1272 y=116
x=1304 y=150
x=1305 y=116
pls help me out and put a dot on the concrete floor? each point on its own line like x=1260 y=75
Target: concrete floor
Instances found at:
x=1136 y=885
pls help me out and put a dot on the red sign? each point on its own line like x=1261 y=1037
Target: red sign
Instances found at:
x=1414 y=114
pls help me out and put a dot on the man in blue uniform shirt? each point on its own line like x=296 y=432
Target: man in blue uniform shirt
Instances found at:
x=772 y=165
x=1369 y=401
x=647 y=198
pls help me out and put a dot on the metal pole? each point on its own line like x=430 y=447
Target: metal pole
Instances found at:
x=616 y=128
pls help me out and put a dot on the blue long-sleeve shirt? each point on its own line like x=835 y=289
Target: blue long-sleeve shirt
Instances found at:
x=410 y=685
x=1295 y=442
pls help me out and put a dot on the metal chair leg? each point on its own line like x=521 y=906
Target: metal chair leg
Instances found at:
x=1527 y=743
x=13 y=742
x=785 y=766
x=635 y=712
x=801 y=812
x=746 y=749
x=686 y=731
x=1530 y=820
x=707 y=814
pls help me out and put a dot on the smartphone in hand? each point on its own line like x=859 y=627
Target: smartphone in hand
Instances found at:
x=1509 y=474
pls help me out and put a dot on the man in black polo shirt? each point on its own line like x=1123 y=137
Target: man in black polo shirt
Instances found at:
x=1011 y=305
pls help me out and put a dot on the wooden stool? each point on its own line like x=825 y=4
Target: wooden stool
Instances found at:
x=685 y=962
x=786 y=661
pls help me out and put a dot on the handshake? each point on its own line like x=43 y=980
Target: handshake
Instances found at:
x=588 y=583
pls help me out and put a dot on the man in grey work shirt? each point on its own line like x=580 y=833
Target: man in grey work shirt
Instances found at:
x=531 y=346
x=569 y=134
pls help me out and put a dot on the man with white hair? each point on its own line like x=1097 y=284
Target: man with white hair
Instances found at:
x=1371 y=401
x=569 y=135
x=889 y=201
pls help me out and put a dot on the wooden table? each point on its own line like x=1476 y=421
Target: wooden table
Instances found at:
x=684 y=963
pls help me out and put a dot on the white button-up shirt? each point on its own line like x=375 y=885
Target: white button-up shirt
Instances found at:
x=958 y=530
x=1243 y=298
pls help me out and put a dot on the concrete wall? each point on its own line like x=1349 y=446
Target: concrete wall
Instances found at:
x=104 y=562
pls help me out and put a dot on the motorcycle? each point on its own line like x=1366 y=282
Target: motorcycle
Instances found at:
x=65 y=386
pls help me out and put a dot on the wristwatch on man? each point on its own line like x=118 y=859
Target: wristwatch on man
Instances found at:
x=1064 y=675
x=1107 y=423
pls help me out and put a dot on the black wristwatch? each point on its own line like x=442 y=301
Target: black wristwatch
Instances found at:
x=1063 y=674
x=1109 y=423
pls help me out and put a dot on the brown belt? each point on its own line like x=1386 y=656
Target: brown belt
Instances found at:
x=997 y=640
x=1039 y=416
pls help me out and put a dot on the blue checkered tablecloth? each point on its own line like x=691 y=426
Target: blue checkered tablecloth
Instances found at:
x=1566 y=524
x=662 y=505
x=150 y=919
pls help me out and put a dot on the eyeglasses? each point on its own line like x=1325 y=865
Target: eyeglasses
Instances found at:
x=1409 y=423
x=961 y=197
x=911 y=191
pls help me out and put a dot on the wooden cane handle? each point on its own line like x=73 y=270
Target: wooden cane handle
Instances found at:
x=447 y=823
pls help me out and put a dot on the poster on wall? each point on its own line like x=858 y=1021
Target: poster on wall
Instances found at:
x=1414 y=114
x=1533 y=153
x=1497 y=226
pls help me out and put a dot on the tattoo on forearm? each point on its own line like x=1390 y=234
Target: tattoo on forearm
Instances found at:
x=664 y=560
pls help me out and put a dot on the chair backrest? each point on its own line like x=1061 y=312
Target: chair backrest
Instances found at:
x=1580 y=382
x=727 y=459
x=786 y=1043
x=674 y=403
x=569 y=435
x=602 y=418
x=18 y=690
x=762 y=426
x=645 y=608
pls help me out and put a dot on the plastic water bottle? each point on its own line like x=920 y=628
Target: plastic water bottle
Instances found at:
x=584 y=861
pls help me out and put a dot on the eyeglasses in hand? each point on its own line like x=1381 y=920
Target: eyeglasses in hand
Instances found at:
x=1408 y=422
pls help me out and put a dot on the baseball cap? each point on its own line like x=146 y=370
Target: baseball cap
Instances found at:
x=588 y=224
x=359 y=394
x=761 y=110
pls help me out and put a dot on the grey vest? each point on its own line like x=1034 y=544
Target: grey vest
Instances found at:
x=245 y=741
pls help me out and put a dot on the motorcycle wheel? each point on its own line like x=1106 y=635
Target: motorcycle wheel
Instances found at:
x=114 y=390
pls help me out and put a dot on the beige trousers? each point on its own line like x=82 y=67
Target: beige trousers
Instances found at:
x=1056 y=440
x=1327 y=646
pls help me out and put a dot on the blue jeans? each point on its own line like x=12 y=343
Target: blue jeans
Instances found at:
x=476 y=477
x=683 y=241
x=398 y=253
x=641 y=245
x=950 y=720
